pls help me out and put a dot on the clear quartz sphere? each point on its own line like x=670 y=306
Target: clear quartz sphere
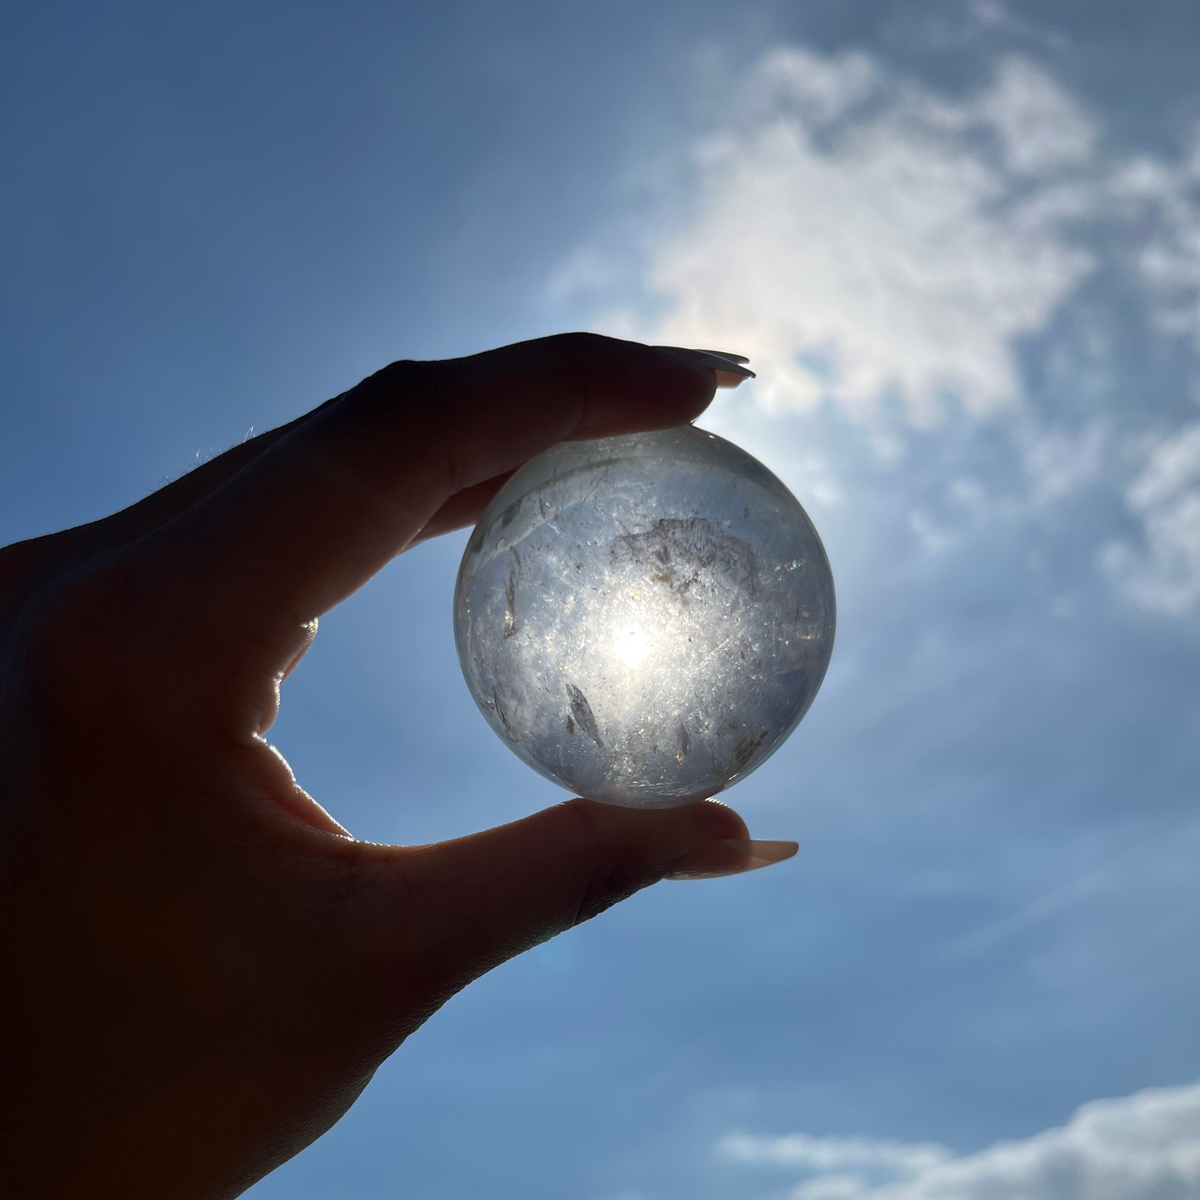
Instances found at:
x=644 y=619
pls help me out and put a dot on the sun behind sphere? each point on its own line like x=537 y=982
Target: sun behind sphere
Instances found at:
x=644 y=619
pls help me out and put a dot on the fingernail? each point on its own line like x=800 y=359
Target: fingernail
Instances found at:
x=716 y=361
x=730 y=856
x=727 y=379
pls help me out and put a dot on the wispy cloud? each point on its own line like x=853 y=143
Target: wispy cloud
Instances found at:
x=829 y=1155
x=1165 y=576
x=1163 y=195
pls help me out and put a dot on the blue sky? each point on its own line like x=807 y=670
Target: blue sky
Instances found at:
x=962 y=244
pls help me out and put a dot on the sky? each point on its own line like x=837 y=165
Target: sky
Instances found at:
x=961 y=244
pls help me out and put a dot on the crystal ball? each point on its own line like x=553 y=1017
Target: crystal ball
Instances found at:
x=644 y=619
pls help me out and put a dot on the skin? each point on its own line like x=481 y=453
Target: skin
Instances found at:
x=200 y=969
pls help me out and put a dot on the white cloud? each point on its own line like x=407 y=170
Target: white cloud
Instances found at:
x=1165 y=576
x=884 y=247
x=1140 y=1147
x=1163 y=195
x=860 y=238
x=1041 y=128
x=822 y=88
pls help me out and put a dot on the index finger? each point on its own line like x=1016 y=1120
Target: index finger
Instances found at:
x=309 y=520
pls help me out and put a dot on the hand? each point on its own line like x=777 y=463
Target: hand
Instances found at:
x=199 y=968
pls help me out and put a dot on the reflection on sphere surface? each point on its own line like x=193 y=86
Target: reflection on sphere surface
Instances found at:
x=644 y=619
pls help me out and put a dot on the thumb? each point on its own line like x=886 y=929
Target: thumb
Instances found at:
x=464 y=906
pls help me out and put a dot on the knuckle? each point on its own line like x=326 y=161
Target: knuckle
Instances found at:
x=580 y=342
x=610 y=886
x=622 y=870
x=403 y=383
